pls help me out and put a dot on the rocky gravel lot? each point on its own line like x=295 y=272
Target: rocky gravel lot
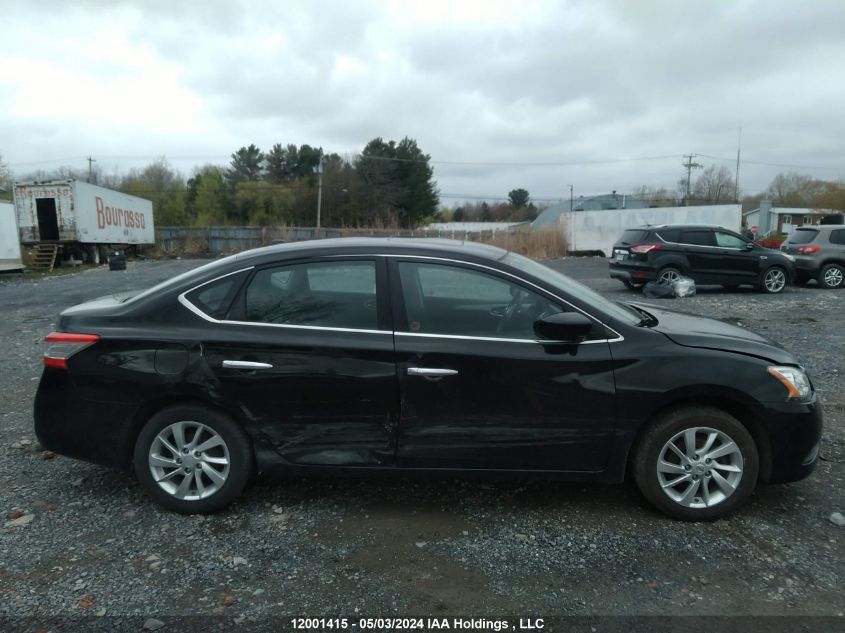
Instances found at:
x=78 y=540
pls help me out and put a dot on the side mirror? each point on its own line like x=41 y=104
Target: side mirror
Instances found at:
x=566 y=327
x=749 y=246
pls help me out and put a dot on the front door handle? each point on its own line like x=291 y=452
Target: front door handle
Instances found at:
x=245 y=364
x=431 y=373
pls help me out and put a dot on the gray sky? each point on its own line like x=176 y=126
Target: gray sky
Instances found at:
x=528 y=94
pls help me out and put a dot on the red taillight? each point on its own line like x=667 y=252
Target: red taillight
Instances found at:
x=62 y=345
x=642 y=249
x=809 y=249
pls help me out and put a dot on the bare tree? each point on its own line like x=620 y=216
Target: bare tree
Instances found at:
x=715 y=185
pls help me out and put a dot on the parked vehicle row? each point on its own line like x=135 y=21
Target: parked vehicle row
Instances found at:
x=819 y=253
x=713 y=255
x=359 y=355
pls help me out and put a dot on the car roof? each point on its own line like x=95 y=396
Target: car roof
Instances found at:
x=819 y=227
x=647 y=227
x=376 y=245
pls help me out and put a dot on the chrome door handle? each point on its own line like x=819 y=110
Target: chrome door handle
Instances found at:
x=431 y=372
x=245 y=364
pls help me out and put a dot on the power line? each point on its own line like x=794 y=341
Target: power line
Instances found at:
x=690 y=166
x=767 y=164
x=606 y=161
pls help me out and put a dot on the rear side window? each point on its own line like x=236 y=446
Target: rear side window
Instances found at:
x=340 y=294
x=804 y=236
x=698 y=238
x=634 y=236
x=837 y=236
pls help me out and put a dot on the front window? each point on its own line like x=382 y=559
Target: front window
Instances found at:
x=727 y=240
x=338 y=294
x=452 y=300
x=571 y=288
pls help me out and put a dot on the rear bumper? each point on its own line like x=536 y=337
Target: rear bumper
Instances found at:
x=631 y=273
x=66 y=424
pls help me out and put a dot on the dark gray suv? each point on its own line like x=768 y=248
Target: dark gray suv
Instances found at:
x=708 y=254
x=819 y=253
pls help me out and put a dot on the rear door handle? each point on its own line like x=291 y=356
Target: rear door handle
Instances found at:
x=431 y=373
x=245 y=364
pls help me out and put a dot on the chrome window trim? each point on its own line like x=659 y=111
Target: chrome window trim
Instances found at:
x=493 y=339
x=185 y=302
x=190 y=306
x=520 y=279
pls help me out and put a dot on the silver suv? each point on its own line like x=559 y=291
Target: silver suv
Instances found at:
x=819 y=253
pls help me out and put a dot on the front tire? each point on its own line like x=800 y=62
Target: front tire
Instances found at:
x=831 y=276
x=774 y=280
x=192 y=459
x=696 y=464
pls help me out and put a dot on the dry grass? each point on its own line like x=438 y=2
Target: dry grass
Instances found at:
x=194 y=244
x=542 y=244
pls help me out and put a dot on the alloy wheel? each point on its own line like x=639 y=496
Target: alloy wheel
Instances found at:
x=699 y=467
x=774 y=280
x=669 y=276
x=833 y=277
x=189 y=460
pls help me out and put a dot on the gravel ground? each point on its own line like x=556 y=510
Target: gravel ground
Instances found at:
x=95 y=545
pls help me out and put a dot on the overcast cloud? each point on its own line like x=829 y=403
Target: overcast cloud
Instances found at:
x=500 y=94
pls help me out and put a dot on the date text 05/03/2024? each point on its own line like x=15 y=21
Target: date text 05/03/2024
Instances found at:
x=416 y=624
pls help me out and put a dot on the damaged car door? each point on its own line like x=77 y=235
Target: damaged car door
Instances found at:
x=306 y=353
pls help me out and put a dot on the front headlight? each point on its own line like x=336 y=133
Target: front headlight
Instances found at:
x=794 y=379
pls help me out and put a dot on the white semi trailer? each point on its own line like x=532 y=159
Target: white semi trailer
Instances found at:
x=80 y=217
x=597 y=231
x=10 y=247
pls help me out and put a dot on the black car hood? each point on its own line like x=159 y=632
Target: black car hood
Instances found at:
x=695 y=331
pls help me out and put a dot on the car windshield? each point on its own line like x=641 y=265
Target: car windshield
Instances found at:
x=803 y=236
x=572 y=288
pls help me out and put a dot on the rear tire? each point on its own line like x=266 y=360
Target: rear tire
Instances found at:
x=668 y=274
x=831 y=276
x=711 y=471
x=192 y=459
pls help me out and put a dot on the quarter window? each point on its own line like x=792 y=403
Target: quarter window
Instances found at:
x=669 y=235
x=214 y=298
x=326 y=294
x=443 y=299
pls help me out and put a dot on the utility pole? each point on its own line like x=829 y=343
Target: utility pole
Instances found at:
x=571 y=199
x=319 y=192
x=91 y=161
x=690 y=166
x=736 y=180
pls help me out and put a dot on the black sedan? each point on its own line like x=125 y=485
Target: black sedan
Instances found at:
x=427 y=355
